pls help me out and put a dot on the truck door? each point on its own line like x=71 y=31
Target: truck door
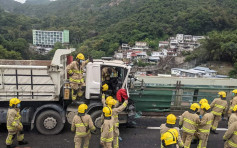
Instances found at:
x=93 y=78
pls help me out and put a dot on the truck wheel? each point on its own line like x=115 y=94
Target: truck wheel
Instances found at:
x=49 y=123
x=96 y=118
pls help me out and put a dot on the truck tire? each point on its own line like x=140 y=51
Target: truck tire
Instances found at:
x=96 y=118
x=49 y=123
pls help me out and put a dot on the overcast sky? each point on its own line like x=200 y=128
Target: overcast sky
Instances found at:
x=21 y=1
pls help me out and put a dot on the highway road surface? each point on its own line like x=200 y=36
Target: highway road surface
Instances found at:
x=146 y=134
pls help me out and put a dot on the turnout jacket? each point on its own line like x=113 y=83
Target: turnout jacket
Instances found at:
x=82 y=125
x=189 y=121
x=218 y=106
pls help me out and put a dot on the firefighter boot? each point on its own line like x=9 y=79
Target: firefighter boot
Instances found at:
x=23 y=142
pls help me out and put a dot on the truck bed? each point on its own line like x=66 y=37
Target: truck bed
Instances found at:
x=28 y=83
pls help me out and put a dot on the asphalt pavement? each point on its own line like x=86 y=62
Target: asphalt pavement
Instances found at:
x=138 y=137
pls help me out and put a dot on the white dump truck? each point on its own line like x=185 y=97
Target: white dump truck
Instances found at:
x=45 y=91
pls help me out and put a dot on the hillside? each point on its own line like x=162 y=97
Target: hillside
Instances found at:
x=99 y=27
x=9 y=5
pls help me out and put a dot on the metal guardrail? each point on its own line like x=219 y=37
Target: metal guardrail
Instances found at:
x=164 y=94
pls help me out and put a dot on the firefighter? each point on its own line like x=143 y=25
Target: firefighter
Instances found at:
x=189 y=121
x=169 y=138
x=14 y=125
x=107 y=129
x=106 y=72
x=205 y=125
x=233 y=116
x=233 y=102
x=230 y=136
x=75 y=70
x=170 y=124
x=82 y=124
x=204 y=100
x=219 y=107
x=111 y=103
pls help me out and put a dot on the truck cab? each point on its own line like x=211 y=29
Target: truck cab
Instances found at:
x=93 y=91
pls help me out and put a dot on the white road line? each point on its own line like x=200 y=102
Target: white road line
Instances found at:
x=157 y=128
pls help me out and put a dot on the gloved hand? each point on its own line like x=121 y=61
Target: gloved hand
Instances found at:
x=103 y=96
x=90 y=59
x=180 y=126
x=121 y=94
x=200 y=117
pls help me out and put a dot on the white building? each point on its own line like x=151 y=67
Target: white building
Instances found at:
x=140 y=46
x=188 y=38
x=196 y=38
x=173 y=43
x=180 y=38
x=163 y=44
x=44 y=38
x=118 y=55
x=156 y=55
x=125 y=47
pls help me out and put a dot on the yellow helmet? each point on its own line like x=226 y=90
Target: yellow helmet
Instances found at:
x=222 y=93
x=82 y=108
x=14 y=101
x=235 y=91
x=108 y=98
x=170 y=137
x=80 y=56
x=111 y=102
x=235 y=108
x=105 y=87
x=107 y=111
x=206 y=106
x=204 y=100
x=194 y=106
x=171 y=119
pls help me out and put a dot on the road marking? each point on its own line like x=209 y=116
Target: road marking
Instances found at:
x=157 y=128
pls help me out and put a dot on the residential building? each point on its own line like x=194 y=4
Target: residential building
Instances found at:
x=46 y=39
x=125 y=47
x=140 y=46
x=196 y=38
x=163 y=44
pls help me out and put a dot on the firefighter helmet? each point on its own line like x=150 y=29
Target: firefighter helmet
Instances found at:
x=105 y=87
x=82 y=108
x=205 y=106
x=194 y=106
x=80 y=56
x=107 y=111
x=204 y=100
x=108 y=98
x=14 y=101
x=170 y=137
x=235 y=108
x=111 y=102
x=171 y=119
x=222 y=93
x=235 y=91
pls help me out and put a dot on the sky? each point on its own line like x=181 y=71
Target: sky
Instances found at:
x=21 y=1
